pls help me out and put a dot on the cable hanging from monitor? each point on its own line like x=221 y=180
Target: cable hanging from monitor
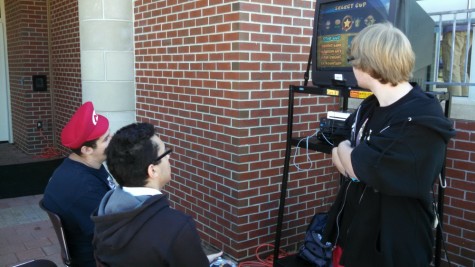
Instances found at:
x=297 y=149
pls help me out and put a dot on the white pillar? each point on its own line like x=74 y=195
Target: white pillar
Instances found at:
x=107 y=58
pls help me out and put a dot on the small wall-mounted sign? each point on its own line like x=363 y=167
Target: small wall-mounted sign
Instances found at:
x=39 y=83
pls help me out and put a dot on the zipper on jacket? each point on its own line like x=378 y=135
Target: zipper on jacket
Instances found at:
x=353 y=127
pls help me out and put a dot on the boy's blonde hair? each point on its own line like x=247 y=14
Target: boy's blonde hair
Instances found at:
x=384 y=52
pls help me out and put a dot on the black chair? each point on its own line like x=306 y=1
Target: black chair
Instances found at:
x=37 y=263
x=58 y=228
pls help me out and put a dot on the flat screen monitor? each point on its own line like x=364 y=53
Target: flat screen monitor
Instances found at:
x=336 y=22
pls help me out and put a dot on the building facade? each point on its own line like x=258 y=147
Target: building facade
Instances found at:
x=213 y=77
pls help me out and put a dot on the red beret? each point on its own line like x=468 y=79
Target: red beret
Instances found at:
x=85 y=125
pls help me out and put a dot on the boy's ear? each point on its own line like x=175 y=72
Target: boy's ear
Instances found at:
x=86 y=150
x=151 y=170
x=153 y=176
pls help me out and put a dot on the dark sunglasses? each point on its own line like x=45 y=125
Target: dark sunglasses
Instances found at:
x=168 y=151
x=350 y=58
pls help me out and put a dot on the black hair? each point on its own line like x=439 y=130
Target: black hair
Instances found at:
x=130 y=152
x=91 y=143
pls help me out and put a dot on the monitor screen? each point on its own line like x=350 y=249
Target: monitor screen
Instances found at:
x=337 y=23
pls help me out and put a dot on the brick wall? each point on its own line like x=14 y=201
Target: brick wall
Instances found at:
x=66 y=63
x=213 y=76
x=27 y=37
x=29 y=53
x=459 y=208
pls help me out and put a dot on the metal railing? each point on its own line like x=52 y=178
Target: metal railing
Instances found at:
x=455 y=20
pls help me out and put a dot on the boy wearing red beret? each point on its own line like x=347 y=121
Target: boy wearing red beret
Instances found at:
x=79 y=183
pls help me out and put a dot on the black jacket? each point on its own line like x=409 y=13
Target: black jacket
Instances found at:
x=134 y=232
x=385 y=219
x=74 y=192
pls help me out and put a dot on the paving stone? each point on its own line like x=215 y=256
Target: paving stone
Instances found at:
x=37 y=243
x=11 y=249
x=26 y=232
x=8 y=260
x=40 y=231
x=52 y=249
x=31 y=254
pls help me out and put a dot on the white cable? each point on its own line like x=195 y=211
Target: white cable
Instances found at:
x=326 y=139
x=297 y=165
x=443 y=184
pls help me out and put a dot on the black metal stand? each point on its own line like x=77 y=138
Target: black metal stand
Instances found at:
x=345 y=93
x=440 y=211
x=441 y=189
x=316 y=145
x=283 y=187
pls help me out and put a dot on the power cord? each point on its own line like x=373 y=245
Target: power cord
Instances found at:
x=326 y=139
x=267 y=262
x=48 y=152
x=297 y=149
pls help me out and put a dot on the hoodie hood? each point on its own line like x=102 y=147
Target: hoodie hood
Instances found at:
x=402 y=148
x=440 y=125
x=431 y=115
x=113 y=219
x=426 y=105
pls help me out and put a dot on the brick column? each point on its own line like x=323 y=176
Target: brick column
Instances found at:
x=213 y=76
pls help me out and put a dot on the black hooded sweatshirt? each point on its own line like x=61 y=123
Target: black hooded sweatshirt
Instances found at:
x=145 y=231
x=399 y=150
